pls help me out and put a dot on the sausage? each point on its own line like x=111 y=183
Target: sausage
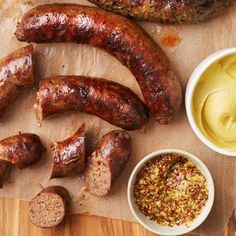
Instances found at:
x=107 y=162
x=49 y=207
x=166 y=11
x=21 y=150
x=116 y=35
x=108 y=100
x=68 y=155
x=4 y=171
x=16 y=74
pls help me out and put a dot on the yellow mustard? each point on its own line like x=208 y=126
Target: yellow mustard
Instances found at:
x=214 y=103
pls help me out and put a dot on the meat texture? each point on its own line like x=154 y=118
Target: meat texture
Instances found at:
x=107 y=162
x=49 y=207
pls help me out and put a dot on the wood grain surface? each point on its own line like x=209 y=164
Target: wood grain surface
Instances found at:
x=14 y=221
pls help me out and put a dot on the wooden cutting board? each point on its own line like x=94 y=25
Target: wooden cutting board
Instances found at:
x=197 y=42
x=14 y=221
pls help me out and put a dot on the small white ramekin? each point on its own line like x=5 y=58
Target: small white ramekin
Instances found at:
x=166 y=230
x=194 y=79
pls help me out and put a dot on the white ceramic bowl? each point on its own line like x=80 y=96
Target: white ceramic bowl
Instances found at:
x=166 y=230
x=196 y=75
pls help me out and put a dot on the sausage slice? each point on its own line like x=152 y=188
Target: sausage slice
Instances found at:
x=49 y=207
x=68 y=155
x=107 y=162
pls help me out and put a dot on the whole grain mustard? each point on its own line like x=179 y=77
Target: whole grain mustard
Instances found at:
x=170 y=190
x=214 y=103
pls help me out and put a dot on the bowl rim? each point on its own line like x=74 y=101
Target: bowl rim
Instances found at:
x=193 y=81
x=204 y=170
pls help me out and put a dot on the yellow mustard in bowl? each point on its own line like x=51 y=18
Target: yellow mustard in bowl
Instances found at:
x=214 y=103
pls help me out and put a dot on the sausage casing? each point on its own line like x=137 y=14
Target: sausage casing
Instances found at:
x=21 y=150
x=16 y=73
x=118 y=36
x=108 y=100
x=68 y=155
x=166 y=11
x=107 y=162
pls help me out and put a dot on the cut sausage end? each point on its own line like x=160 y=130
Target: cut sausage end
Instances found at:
x=98 y=178
x=19 y=33
x=47 y=210
x=38 y=109
x=107 y=162
x=49 y=207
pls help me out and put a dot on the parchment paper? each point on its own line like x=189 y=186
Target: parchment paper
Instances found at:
x=71 y=59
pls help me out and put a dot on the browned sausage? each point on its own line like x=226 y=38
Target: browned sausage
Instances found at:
x=118 y=36
x=108 y=100
x=107 y=162
x=21 y=150
x=16 y=73
x=166 y=11
x=68 y=155
x=49 y=207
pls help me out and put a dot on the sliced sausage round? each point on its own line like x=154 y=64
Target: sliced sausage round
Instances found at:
x=49 y=207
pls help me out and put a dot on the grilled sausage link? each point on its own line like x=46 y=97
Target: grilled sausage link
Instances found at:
x=21 y=150
x=107 y=162
x=108 y=100
x=68 y=155
x=119 y=37
x=16 y=73
x=166 y=11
